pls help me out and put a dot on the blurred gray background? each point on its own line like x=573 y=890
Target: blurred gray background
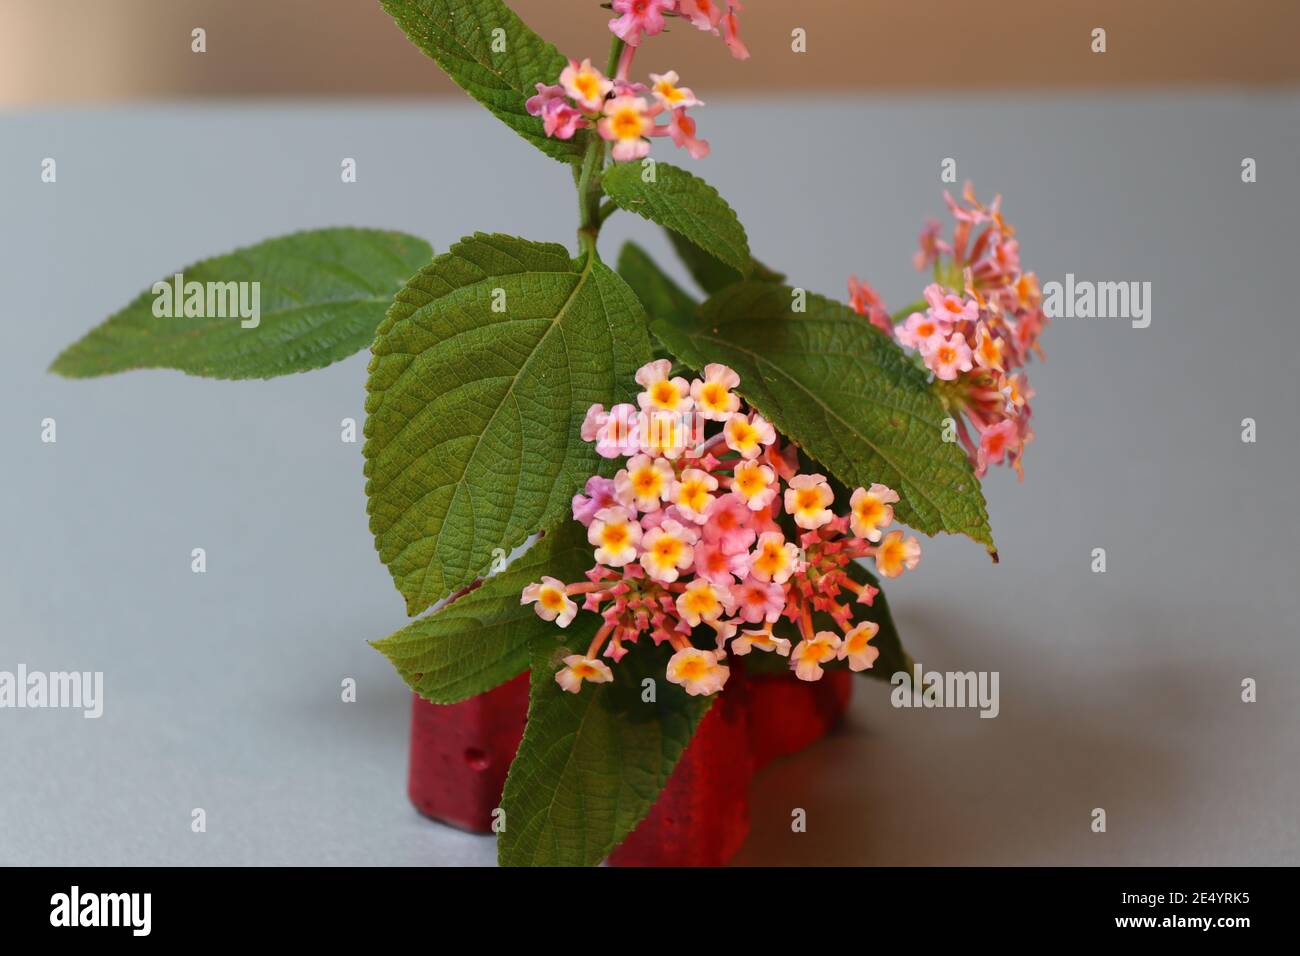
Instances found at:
x=1118 y=690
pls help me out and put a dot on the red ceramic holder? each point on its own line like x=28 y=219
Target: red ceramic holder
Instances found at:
x=460 y=754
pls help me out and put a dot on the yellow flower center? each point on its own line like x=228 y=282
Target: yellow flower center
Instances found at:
x=713 y=395
x=627 y=123
x=808 y=499
x=664 y=394
x=647 y=482
x=693 y=668
x=615 y=535
x=588 y=85
x=552 y=599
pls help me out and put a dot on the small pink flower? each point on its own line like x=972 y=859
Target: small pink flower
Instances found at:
x=644 y=483
x=703 y=14
x=894 y=554
x=870 y=510
x=864 y=300
x=755 y=483
x=559 y=118
x=640 y=18
x=667 y=433
x=947 y=356
x=919 y=328
x=614 y=432
x=856 y=647
x=550 y=601
x=682 y=130
x=730 y=524
x=748 y=436
x=600 y=494
x=808 y=500
x=666 y=551
x=995 y=442
x=692 y=494
x=626 y=123
x=731 y=32
x=758 y=601
x=615 y=533
x=665 y=89
x=761 y=639
x=699 y=672
x=950 y=307
x=928 y=245
x=988 y=350
x=774 y=559
x=578 y=669
x=716 y=565
x=585 y=85
x=811 y=653
x=713 y=396
x=704 y=601
x=662 y=394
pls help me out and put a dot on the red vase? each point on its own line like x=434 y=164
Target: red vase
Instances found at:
x=460 y=754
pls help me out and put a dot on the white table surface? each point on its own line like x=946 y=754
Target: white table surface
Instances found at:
x=1119 y=690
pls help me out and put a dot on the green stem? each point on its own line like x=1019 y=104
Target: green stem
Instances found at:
x=920 y=305
x=590 y=212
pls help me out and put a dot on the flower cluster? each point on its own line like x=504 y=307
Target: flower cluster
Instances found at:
x=623 y=112
x=709 y=526
x=977 y=327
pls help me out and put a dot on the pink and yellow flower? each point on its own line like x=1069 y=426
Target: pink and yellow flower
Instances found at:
x=758 y=601
x=870 y=510
x=755 y=483
x=578 y=669
x=662 y=393
x=550 y=600
x=894 y=554
x=682 y=130
x=644 y=483
x=811 y=653
x=730 y=524
x=949 y=307
x=704 y=601
x=616 y=535
x=774 y=558
x=713 y=395
x=762 y=639
x=699 y=672
x=856 y=647
x=585 y=85
x=667 y=551
x=947 y=355
x=692 y=494
x=664 y=88
x=626 y=123
x=747 y=435
x=808 y=500
x=615 y=432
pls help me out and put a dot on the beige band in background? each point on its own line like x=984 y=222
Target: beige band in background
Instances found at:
x=73 y=51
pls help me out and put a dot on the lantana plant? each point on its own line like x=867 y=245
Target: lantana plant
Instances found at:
x=590 y=473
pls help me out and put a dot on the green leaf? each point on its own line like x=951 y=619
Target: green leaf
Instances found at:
x=592 y=764
x=843 y=391
x=481 y=639
x=481 y=377
x=683 y=203
x=712 y=274
x=660 y=296
x=320 y=294
x=458 y=35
